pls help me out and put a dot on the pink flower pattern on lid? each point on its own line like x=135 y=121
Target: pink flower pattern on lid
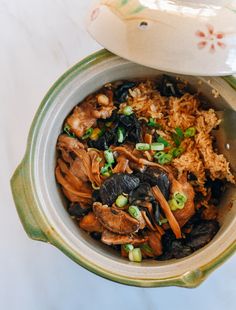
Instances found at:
x=210 y=38
x=95 y=14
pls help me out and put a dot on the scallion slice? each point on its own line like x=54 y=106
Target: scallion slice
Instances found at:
x=157 y=146
x=128 y=110
x=128 y=247
x=109 y=157
x=179 y=132
x=134 y=212
x=135 y=255
x=174 y=205
x=87 y=134
x=152 y=122
x=177 y=152
x=121 y=201
x=67 y=130
x=180 y=197
x=121 y=134
x=163 y=158
x=178 y=201
x=178 y=136
x=106 y=170
x=143 y=147
x=190 y=132
x=163 y=221
x=162 y=140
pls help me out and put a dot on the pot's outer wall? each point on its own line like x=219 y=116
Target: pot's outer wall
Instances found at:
x=37 y=224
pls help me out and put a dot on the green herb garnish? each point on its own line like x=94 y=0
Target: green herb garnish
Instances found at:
x=177 y=152
x=143 y=146
x=87 y=134
x=121 y=134
x=109 y=157
x=163 y=158
x=162 y=140
x=121 y=201
x=67 y=130
x=190 y=132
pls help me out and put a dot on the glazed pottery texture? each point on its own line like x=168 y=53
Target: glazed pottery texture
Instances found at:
x=41 y=206
x=181 y=36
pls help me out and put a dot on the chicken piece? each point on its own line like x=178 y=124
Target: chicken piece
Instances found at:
x=182 y=186
x=111 y=238
x=104 y=112
x=68 y=144
x=70 y=188
x=78 y=169
x=115 y=220
x=90 y=223
x=154 y=241
x=82 y=119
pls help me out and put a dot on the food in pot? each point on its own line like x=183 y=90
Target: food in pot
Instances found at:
x=138 y=166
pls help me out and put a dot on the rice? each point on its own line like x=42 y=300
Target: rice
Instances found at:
x=199 y=158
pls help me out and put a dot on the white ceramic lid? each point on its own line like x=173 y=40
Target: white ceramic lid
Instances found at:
x=181 y=36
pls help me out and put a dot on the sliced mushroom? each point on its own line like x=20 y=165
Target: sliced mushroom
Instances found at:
x=111 y=238
x=115 y=220
x=155 y=176
x=116 y=185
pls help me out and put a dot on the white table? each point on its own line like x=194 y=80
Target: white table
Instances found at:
x=40 y=39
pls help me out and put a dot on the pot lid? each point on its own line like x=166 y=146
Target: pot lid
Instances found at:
x=180 y=36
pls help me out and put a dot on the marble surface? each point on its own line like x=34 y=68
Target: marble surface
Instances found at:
x=40 y=39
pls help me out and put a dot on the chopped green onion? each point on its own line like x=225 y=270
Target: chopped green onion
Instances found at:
x=152 y=122
x=67 y=130
x=121 y=201
x=180 y=197
x=128 y=110
x=163 y=221
x=159 y=155
x=178 y=136
x=178 y=201
x=163 y=158
x=143 y=146
x=128 y=247
x=176 y=152
x=174 y=205
x=121 y=134
x=179 y=132
x=135 y=255
x=145 y=247
x=157 y=146
x=87 y=134
x=134 y=212
x=190 y=132
x=162 y=140
x=109 y=157
x=106 y=170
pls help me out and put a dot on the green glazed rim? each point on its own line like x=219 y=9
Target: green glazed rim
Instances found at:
x=36 y=224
